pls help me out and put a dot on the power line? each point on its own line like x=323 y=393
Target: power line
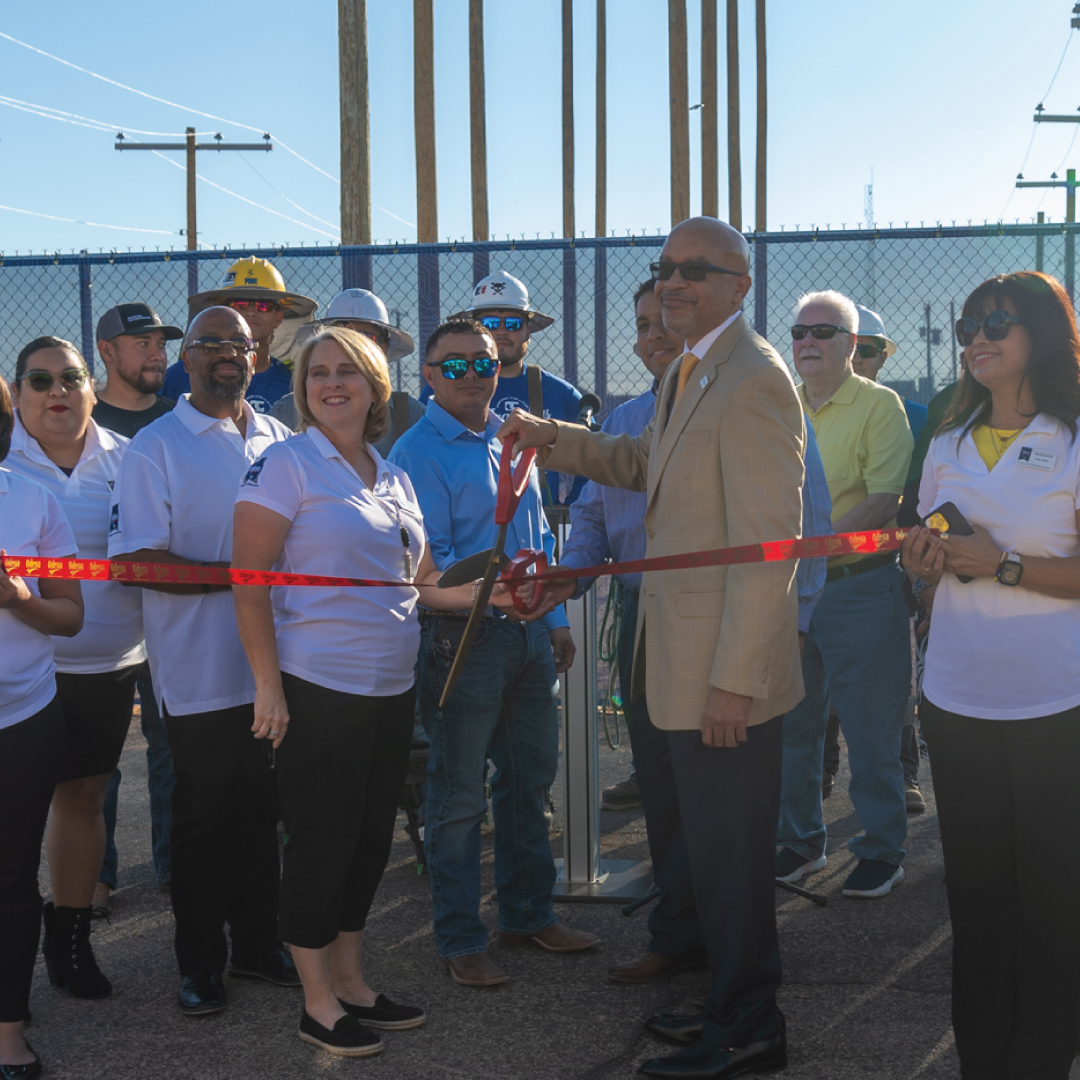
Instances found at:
x=323 y=221
x=49 y=113
x=93 y=224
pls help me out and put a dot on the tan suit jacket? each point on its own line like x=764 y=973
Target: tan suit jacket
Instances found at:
x=724 y=469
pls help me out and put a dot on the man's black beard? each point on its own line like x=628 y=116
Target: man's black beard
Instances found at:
x=141 y=384
x=225 y=391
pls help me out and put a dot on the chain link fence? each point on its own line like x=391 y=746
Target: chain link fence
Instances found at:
x=916 y=279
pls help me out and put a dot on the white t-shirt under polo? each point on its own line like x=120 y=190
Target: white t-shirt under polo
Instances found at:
x=31 y=524
x=176 y=492
x=998 y=652
x=112 y=633
x=356 y=640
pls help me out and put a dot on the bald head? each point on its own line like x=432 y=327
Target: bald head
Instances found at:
x=719 y=276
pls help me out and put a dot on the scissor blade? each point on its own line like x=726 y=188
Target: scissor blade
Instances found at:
x=470 y=569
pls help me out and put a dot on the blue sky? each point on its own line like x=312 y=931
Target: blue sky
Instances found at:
x=936 y=98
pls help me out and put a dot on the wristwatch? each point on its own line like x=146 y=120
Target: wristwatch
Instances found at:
x=1009 y=570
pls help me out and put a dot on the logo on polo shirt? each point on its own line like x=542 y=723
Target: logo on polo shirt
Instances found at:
x=252 y=478
x=114 y=519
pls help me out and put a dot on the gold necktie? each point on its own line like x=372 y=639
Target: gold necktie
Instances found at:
x=689 y=363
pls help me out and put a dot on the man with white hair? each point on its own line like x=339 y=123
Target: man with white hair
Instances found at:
x=856 y=652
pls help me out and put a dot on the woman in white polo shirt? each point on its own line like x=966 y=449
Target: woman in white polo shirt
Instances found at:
x=56 y=443
x=32 y=732
x=1001 y=707
x=334 y=669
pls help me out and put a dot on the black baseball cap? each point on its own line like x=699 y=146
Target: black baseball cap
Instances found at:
x=133 y=319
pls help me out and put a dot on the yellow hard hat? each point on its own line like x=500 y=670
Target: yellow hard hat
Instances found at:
x=253 y=279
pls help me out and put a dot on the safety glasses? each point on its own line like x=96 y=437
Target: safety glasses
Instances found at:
x=70 y=379
x=212 y=346
x=692 y=270
x=261 y=306
x=994 y=327
x=868 y=351
x=513 y=323
x=821 y=331
x=455 y=367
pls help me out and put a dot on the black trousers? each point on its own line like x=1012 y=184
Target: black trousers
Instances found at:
x=31 y=753
x=224 y=839
x=341 y=772
x=1008 y=810
x=711 y=816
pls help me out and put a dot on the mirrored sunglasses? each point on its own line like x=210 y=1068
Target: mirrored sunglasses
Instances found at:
x=819 y=331
x=455 y=367
x=513 y=323
x=262 y=306
x=42 y=381
x=994 y=327
x=692 y=270
x=213 y=345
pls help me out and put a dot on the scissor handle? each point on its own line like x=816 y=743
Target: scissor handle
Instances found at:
x=517 y=569
x=512 y=485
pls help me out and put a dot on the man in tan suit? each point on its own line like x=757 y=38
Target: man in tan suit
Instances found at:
x=717 y=651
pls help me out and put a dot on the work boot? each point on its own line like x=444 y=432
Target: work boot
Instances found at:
x=68 y=956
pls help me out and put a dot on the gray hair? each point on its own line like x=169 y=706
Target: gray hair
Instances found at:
x=843 y=304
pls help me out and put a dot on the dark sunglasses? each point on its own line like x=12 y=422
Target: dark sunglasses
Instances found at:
x=455 y=367
x=513 y=323
x=213 y=345
x=821 y=331
x=994 y=327
x=73 y=378
x=689 y=271
x=868 y=351
x=262 y=306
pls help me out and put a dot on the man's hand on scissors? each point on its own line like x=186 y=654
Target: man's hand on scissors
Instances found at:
x=502 y=597
x=530 y=430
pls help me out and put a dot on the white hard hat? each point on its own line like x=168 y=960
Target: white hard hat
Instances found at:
x=871 y=326
x=360 y=305
x=503 y=292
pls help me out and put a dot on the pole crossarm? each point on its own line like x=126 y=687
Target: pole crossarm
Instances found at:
x=125 y=145
x=1057 y=118
x=1043 y=183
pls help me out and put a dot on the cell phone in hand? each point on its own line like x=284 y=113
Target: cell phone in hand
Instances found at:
x=947 y=519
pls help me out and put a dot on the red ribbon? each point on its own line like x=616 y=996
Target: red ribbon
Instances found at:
x=861 y=543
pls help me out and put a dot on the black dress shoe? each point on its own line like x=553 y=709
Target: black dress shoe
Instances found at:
x=704 y=1061
x=676 y=1029
x=22 y=1072
x=201 y=994
x=275 y=966
x=384 y=1014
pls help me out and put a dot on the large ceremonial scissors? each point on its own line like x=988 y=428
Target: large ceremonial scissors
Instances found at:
x=487 y=565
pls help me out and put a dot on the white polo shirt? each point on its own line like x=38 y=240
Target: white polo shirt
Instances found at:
x=112 y=633
x=31 y=524
x=176 y=492
x=356 y=640
x=999 y=652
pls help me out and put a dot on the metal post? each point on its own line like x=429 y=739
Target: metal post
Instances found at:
x=1070 y=235
x=761 y=287
x=192 y=275
x=600 y=302
x=582 y=875
x=929 y=357
x=481 y=265
x=86 y=312
x=356 y=269
x=427 y=274
x=569 y=328
x=952 y=335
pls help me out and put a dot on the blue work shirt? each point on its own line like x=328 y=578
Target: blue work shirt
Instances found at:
x=609 y=522
x=267 y=387
x=455 y=473
x=916 y=417
x=561 y=402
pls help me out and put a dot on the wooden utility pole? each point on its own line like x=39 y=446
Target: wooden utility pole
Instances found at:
x=427 y=205
x=601 y=118
x=568 y=117
x=477 y=121
x=733 y=144
x=680 y=115
x=355 y=122
x=762 y=123
x=710 y=150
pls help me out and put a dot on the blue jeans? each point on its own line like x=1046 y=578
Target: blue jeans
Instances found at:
x=858 y=654
x=160 y=781
x=503 y=707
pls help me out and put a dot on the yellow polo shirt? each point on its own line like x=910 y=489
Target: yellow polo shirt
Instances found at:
x=865 y=443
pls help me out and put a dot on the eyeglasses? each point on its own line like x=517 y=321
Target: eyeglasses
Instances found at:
x=262 y=306
x=821 y=331
x=73 y=378
x=513 y=323
x=693 y=270
x=994 y=327
x=212 y=346
x=455 y=367
x=868 y=351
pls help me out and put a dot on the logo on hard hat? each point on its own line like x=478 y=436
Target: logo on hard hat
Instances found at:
x=498 y=287
x=229 y=278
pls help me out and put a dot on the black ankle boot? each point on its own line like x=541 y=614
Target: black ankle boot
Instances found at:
x=68 y=956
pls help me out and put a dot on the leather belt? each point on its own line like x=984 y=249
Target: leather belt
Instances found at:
x=838 y=573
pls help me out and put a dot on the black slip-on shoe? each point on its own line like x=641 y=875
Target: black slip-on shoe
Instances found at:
x=385 y=1014
x=349 y=1038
